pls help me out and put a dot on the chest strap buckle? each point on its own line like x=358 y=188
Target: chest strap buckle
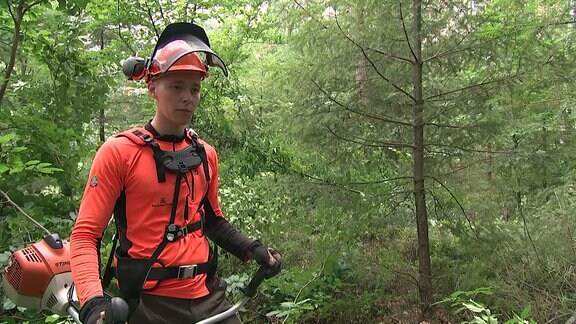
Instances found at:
x=187 y=271
x=174 y=232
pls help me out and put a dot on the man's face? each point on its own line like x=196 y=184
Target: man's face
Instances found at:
x=177 y=95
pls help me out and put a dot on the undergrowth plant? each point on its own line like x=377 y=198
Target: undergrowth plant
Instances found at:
x=465 y=304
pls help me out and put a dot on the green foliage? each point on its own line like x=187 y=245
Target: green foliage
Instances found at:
x=314 y=134
x=57 y=319
x=292 y=309
x=465 y=303
x=304 y=294
x=11 y=161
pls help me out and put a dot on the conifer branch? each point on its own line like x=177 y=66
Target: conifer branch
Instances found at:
x=374 y=67
x=365 y=142
x=406 y=32
x=383 y=119
x=458 y=203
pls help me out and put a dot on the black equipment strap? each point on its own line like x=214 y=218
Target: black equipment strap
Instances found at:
x=132 y=295
x=183 y=272
x=174 y=232
x=160 y=168
x=202 y=154
x=109 y=269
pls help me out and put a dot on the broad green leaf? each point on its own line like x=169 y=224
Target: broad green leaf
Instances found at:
x=50 y=170
x=8 y=304
x=473 y=306
x=525 y=312
x=6 y=138
x=4 y=257
x=17 y=149
x=32 y=162
x=288 y=304
x=52 y=318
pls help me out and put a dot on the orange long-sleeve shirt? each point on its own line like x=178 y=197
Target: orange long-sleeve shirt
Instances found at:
x=125 y=170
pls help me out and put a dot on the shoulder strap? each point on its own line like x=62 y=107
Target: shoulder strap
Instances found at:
x=138 y=135
x=141 y=136
x=108 y=273
x=193 y=136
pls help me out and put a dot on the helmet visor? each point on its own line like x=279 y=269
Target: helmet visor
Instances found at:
x=189 y=44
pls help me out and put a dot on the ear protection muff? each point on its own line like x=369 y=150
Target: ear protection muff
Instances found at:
x=134 y=68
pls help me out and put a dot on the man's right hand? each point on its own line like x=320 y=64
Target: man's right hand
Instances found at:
x=100 y=319
x=93 y=311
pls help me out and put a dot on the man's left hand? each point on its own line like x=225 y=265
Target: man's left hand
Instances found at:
x=266 y=256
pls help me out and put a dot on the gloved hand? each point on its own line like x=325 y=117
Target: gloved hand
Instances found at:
x=266 y=256
x=93 y=311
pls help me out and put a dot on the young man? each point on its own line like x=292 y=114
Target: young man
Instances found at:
x=161 y=184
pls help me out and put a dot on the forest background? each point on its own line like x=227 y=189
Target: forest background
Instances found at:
x=412 y=160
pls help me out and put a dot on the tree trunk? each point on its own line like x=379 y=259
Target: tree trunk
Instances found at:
x=102 y=116
x=424 y=266
x=101 y=122
x=17 y=17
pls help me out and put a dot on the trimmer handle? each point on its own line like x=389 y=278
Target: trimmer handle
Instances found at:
x=252 y=288
x=116 y=312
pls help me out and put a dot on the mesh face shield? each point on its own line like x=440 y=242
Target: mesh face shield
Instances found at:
x=197 y=42
x=167 y=55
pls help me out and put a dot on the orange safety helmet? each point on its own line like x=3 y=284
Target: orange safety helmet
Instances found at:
x=177 y=55
x=177 y=49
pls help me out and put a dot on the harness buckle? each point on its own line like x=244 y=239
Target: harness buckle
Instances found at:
x=174 y=232
x=187 y=271
x=171 y=232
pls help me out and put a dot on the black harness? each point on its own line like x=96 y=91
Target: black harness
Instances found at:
x=175 y=161
x=133 y=273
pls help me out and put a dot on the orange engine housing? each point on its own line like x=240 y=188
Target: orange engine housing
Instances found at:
x=38 y=275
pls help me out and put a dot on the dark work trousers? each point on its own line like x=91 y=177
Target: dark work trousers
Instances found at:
x=159 y=309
